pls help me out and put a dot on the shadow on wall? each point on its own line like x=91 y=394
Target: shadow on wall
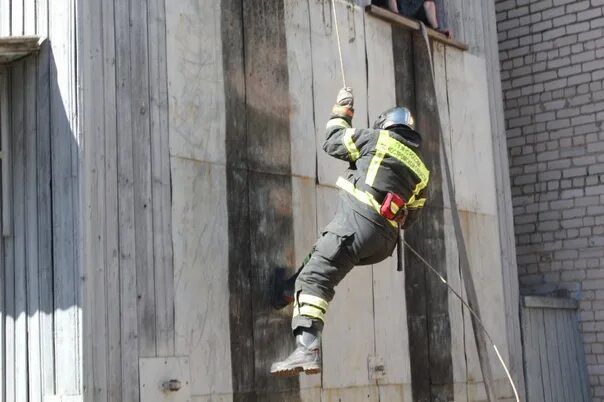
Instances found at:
x=40 y=299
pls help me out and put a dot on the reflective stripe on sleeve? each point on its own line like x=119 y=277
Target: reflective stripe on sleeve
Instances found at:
x=313 y=300
x=349 y=143
x=310 y=311
x=337 y=122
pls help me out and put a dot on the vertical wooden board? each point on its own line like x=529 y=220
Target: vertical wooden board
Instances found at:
x=111 y=247
x=532 y=365
x=126 y=206
x=540 y=328
x=271 y=245
x=5 y=138
x=66 y=274
x=31 y=233
x=3 y=314
x=391 y=333
x=391 y=337
x=569 y=352
x=95 y=323
x=301 y=111
x=473 y=172
x=348 y=338
x=29 y=17
x=195 y=80
x=455 y=19
x=200 y=276
x=553 y=357
x=5 y=18
x=267 y=87
x=305 y=235
x=310 y=394
x=17 y=18
x=579 y=356
x=44 y=226
x=327 y=75
x=142 y=176
x=160 y=169
x=381 y=84
x=481 y=235
x=563 y=353
x=19 y=189
x=368 y=393
x=5 y=251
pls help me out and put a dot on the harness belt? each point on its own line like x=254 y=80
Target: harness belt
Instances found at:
x=364 y=196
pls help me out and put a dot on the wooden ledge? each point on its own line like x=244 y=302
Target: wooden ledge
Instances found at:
x=15 y=47
x=550 y=302
x=412 y=25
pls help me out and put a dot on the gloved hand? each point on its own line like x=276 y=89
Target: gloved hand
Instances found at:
x=345 y=97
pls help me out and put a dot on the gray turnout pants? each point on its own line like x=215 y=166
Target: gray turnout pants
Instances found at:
x=349 y=239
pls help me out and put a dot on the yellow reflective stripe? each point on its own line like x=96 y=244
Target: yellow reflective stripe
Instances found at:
x=405 y=155
x=338 y=122
x=416 y=203
x=349 y=143
x=374 y=166
x=363 y=196
x=310 y=311
x=313 y=300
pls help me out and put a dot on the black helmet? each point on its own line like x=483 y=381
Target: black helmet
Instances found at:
x=395 y=117
x=401 y=121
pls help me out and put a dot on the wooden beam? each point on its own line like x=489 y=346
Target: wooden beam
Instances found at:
x=549 y=302
x=412 y=25
x=13 y=48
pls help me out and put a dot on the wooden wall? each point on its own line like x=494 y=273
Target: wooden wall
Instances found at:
x=40 y=301
x=555 y=359
x=127 y=235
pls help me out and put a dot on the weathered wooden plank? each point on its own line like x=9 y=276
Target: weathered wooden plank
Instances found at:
x=195 y=79
x=391 y=336
x=5 y=128
x=504 y=197
x=304 y=211
x=539 y=325
x=237 y=182
x=160 y=169
x=428 y=238
x=66 y=274
x=549 y=302
x=18 y=142
x=45 y=250
x=368 y=393
x=126 y=205
x=29 y=17
x=31 y=233
x=141 y=156
x=5 y=18
x=9 y=315
x=93 y=177
x=569 y=351
x=553 y=357
x=300 y=72
x=327 y=76
x=349 y=337
x=4 y=269
x=579 y=355
x=41 y=18
x=531 y=357
x=201 y=246
x=111 y=171
x=564 y=354
x=17 y=18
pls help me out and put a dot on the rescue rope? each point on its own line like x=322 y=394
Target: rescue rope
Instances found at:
x=471 y=310
x=335 y=20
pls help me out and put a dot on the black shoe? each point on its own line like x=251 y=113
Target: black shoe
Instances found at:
x=281 y=290
x=306 y=358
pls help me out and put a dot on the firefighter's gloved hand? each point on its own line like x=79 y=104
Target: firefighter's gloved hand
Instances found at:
x=345 y=97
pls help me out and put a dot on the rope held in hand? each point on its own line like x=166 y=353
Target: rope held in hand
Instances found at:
x=335 y=20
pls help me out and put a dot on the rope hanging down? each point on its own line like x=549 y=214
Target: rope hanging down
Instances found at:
x=426 y=263
x=335 y=22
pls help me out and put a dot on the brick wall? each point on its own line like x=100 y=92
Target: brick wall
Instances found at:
x=552 y=70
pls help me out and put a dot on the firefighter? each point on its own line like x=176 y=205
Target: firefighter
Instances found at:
x=381 y=193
